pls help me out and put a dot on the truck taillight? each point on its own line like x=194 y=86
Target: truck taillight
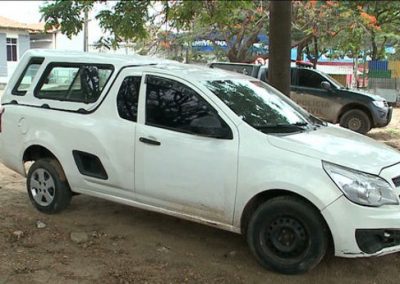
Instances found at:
x=1 y=115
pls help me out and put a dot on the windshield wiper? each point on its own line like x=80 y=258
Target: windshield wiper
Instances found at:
x=284 y=127
x=316 y=121
x=297 y=124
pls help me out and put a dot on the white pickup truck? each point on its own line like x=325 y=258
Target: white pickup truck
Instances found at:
x=206 y=145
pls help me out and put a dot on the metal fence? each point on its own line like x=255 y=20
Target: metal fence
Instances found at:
x=384 y=79
x=384 y=74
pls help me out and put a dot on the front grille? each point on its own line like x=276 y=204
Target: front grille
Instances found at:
x=396 y=181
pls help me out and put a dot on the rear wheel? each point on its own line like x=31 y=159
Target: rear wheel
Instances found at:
x=356 y=120
x=47 y=186
x=287 y=235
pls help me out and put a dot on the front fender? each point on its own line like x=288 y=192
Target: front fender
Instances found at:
x=272 y=168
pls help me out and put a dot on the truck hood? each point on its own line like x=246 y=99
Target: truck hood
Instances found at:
x=362 y=93
x=340 y=146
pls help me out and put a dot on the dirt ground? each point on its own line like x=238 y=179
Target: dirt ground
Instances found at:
x=99 y=241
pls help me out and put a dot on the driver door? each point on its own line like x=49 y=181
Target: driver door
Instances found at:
x=177 y=167
x=308 y=93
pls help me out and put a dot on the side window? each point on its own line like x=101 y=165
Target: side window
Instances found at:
x=172 y=105
x=74 y=82
x=309 y=79
x=128 y=97
x=25 y=80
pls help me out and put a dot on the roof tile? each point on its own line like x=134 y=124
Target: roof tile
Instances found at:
x=12 y=24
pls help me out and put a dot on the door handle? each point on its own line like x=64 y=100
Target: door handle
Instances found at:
x=149 y=141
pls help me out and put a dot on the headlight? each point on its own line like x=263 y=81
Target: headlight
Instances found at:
x=361 y=188
x=380 y=104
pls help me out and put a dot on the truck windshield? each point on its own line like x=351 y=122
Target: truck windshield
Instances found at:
x=259 y=105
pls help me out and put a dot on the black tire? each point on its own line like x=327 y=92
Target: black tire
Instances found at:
x=356 y=120
x=287 y=235
x=47 y=186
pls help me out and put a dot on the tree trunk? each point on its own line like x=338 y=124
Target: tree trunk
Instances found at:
x=374 y=53
x=315 y=60
x=86 y=31
x=232 y=55
x=300 y=48
x=301 y=45
x=280 y=45
x=381 y=52
x=240 y=50
x=299 y=56
x=354 y=81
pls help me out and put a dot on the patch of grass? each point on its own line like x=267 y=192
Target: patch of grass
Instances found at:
x=394 y=132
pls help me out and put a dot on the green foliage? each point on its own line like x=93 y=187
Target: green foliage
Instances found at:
x=346 y=27
x=236 y=22
x=65 y=15
x=381 y=20
x=126 y=20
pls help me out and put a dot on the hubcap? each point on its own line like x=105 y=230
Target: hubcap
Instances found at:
x=42 y=187
x=355 y=123
x=286 y=237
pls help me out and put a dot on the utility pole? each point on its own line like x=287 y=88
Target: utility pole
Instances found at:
x=86 y=31
x=280 y=21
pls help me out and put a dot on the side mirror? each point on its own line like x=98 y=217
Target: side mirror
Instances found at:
x=211 y=126
x=326 y=85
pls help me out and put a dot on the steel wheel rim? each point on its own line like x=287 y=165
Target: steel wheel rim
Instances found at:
x=355 y=123
x=42 y=187
x=285 y=238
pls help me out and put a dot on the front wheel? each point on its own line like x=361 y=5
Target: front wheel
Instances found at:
x=287 y=235
x=356 y=120
x=47 y=186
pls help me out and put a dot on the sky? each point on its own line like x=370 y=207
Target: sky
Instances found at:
x=28 y=12
x=21 y=11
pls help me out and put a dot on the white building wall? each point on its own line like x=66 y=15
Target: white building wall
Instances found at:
x=11 y=65
x=64 y=43
x=42 y=41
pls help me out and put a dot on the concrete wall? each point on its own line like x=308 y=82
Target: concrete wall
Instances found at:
x=3 y=55
x=23 y=44
x=7 y=67
x=43 y=41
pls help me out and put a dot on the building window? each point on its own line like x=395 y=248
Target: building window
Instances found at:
x=11 y=49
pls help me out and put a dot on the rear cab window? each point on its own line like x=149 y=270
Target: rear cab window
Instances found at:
x=28 y=75
x=245 y=69
x=264 y=75
x=73 y=82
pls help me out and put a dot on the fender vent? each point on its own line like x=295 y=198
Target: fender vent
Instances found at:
x=396 y=181
x=89 y=165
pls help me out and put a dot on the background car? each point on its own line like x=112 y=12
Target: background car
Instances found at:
x=326 y=98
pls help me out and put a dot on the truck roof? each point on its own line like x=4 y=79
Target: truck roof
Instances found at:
x=152 y=64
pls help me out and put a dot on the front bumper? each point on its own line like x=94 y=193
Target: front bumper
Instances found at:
x=382 y=117
x=360 y=231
